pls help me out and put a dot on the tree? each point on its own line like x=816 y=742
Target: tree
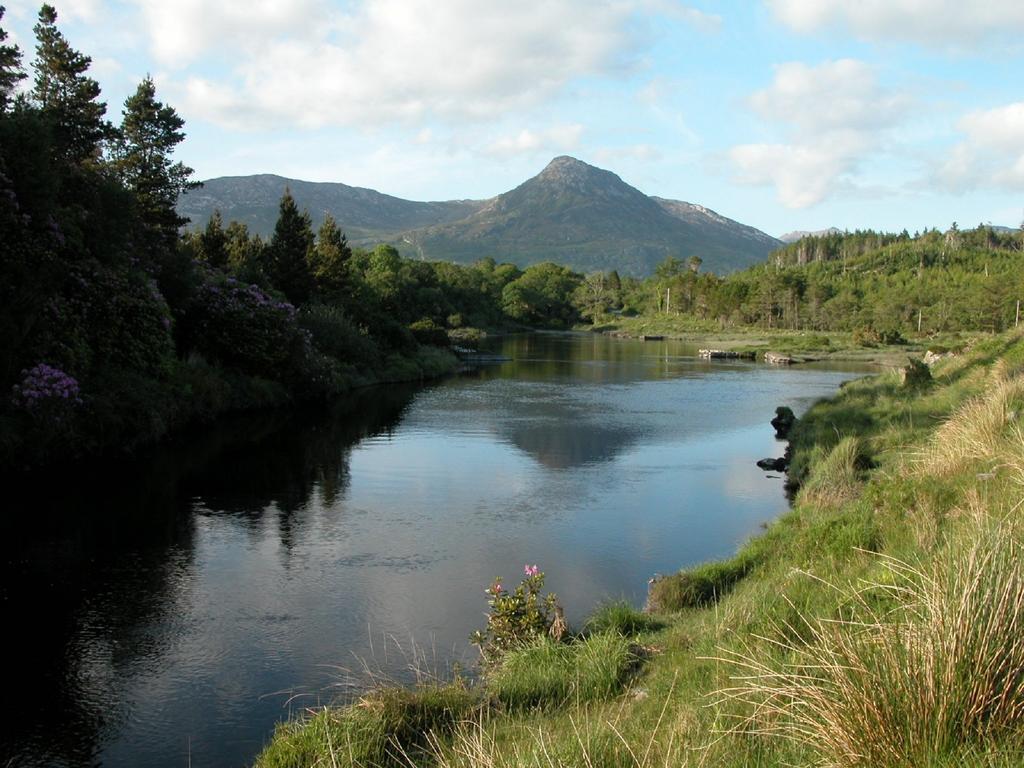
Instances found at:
x=66 y=96
x=213 y=242
x=542 y=296
x=244 y=251
x=594 y=297
x=11 y=72
x=329 y=258
x=150 y=131
x=289 y=250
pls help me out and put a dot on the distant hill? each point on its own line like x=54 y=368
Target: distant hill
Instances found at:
x=363 y=213
x=571 y=213
x=792 y=237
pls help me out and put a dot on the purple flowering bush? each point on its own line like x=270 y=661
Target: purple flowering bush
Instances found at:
x=242 y=326
x=47 y=401
x=518 y=616
x=44 y=390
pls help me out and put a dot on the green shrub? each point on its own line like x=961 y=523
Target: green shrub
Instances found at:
x=336 y=335
x=104 y=318
x=518 y=617
x=429 y=333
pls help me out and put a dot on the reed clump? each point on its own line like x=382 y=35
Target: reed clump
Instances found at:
x=908 y=686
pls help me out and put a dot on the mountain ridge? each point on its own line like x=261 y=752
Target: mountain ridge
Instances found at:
x=571 y=212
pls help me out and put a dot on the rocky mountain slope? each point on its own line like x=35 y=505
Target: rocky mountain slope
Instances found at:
x=571 y=213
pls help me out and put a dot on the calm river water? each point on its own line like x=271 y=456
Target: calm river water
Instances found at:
x=168 y=611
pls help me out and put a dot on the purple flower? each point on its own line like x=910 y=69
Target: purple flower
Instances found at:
x=44 y=383
x=531 y=570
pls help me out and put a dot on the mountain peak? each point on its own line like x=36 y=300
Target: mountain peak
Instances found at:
x=566 y=161
x=566 y=169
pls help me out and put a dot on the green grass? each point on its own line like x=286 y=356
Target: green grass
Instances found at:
x=386 y=727
x=551 y=674
x=621 y=617
x=880 y=622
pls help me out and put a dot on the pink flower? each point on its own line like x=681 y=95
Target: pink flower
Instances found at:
x=531 y=570
x=496 y=589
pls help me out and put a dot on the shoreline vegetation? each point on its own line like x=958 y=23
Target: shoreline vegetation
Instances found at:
x=876 y=623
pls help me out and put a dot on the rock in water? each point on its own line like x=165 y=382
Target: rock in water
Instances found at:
x=783 y=421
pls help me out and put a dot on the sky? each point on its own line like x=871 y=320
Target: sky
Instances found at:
x=782 y=114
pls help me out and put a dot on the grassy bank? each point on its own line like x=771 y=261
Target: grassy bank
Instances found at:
x=877 y=623
x=800 y=345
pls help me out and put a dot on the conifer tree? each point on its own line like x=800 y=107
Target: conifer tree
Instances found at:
x=289 y=251
x=329 y=258
x=66 y=95
x=150 y=131
x=213 y=242
x=11 y=72
x=244 y=251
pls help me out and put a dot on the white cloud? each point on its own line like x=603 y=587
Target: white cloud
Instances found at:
x=558 y=138
x=835 y=115
x=80 y=10
x=835 y=95
x=991 y=153
x=953 y=24
x=803 y=175
x=184 y=30
x=384 y=61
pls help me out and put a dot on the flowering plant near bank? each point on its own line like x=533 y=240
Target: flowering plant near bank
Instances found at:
x=42 y=387
x=518 y=616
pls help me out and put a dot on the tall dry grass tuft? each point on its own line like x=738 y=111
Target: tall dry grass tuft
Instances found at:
x=977 y=430
x=838 y=477
x=909 y=686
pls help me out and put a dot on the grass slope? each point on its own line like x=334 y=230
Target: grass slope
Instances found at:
x=877 y=623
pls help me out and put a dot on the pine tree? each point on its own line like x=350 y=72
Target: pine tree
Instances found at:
x=11 y=72
x=67 y=97
x=150 y=130
x=213 y=242
x=244 y=252
x=289 y=251
x=329 y=258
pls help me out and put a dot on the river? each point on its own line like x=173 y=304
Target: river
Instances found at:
x=168 y=610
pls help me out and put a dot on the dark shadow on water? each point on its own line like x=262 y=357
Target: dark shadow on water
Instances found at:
x=116 y=539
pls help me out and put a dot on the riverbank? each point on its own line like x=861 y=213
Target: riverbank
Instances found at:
x=876 y=623
x=800 y=347
x=193 y=394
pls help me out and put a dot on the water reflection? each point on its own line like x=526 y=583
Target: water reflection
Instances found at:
x=99 y=566
x=168 y=608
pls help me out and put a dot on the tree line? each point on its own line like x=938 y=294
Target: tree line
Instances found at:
x=880 y=285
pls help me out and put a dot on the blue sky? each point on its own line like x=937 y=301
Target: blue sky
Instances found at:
x=782 y=114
